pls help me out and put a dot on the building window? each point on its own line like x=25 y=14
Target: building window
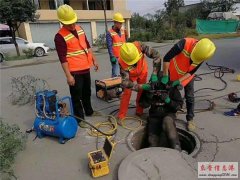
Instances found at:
x=92 y=5
x=37 y=4
x=52 y=4
x=66 y=2
x=97 y=4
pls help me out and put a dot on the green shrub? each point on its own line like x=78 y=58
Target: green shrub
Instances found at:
x=190 y=32
x=141 y=36
x=28 y=52
x=12 y=140
x=100 y=42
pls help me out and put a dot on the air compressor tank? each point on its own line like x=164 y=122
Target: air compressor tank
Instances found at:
x=64 y=128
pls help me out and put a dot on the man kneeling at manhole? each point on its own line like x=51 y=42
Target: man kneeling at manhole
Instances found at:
x=164 y=101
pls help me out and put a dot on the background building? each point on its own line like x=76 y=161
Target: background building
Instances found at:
x=90 y=16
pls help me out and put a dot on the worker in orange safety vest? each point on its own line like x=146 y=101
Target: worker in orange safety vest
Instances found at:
x=115 y=38
x=134 y=71
x=76 y=58
x=180 y=64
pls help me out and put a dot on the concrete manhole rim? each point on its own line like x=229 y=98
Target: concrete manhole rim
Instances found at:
x=136 y=158
x=192 y=154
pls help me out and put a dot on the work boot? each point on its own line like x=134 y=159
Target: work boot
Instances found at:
x=191 y=126
x=82 y=124
x=119 y=121
x=143 y=116
x=95 y=113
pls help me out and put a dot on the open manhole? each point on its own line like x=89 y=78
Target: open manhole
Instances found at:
x=190 y=143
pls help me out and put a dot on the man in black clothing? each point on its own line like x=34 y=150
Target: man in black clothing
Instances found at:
x=165 y=102
x=76 y=57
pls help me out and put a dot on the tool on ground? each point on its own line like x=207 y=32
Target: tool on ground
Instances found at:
x=99 y=159
x=109 y=89
x=238 y=77
x=52 y=116
x=233 y=97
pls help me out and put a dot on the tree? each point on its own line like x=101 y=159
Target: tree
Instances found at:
x=15 y=12
x=218 y=5
x=105 y=16
x=138 y=22
x=172 y=7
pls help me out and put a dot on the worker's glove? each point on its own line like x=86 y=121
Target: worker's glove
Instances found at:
x=146 y=87
x=154 y=78
x=113 y=60
x=164 y=79
x=165 y=98
x=176 y=83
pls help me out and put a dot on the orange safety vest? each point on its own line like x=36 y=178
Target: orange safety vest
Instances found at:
x=181 y=64
x=117 y=41
x=141 y=68
x=78 y=56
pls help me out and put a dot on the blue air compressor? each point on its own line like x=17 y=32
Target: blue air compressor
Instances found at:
x=52 y=116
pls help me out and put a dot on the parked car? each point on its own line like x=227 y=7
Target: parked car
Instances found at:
x=7 y=46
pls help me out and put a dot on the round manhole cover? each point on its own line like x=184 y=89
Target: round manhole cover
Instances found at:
x=157 y=164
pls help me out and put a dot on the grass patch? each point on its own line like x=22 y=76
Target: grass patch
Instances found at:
x=17 y=58
x=12 y=140
x=215 y=36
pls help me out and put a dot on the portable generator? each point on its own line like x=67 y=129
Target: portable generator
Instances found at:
x=109 y=89
x=52 y=116
x=99 y=159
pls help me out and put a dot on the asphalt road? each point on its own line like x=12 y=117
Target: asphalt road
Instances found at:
x=227 y=53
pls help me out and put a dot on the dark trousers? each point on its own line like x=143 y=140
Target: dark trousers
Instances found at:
x=81 y=95
x=162 y=132
x=189 y=96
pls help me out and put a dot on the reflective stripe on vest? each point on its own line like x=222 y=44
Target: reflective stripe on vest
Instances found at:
x=117 y=41
x=76 y=53
x=180 y=64
x=78 y=56
x=142 y=66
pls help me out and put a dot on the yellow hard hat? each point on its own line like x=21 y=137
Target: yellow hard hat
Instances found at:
x=66 y=14
x=118 y=17
x=203 y=50
x=129 y=53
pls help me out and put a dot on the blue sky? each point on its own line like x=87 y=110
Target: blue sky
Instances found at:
x=149 y=6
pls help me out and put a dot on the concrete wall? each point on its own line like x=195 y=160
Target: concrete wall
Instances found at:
x=51 y=15
x=25 y=32
x=90 y=16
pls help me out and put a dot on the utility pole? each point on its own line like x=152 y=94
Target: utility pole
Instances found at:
x=105 y=16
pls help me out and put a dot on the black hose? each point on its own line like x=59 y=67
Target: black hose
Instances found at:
x=218 y=72
x=114 y=112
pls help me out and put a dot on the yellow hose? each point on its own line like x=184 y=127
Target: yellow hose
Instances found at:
x=131 y=118
x=111 y=124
